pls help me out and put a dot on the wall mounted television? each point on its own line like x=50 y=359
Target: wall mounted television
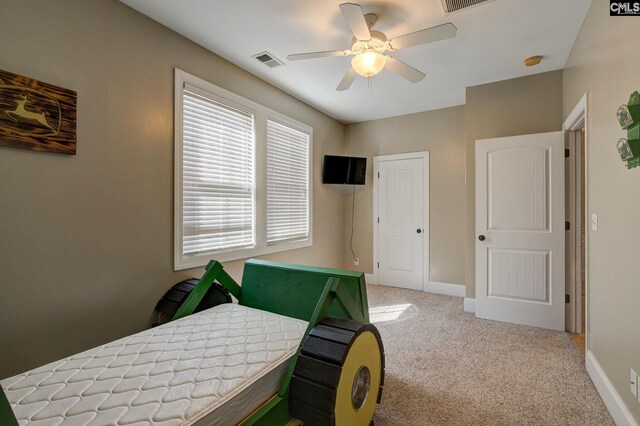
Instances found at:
x=344 y=170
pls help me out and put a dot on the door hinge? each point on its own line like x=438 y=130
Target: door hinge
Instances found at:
x=378 y=175
x=378 y=264
x=378 y=220
x=567 y=226
x=567 y=152
x=567 y=298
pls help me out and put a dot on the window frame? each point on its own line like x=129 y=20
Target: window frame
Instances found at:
x=261 y=115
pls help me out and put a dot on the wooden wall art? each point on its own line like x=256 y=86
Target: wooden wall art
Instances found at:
x=36 y=115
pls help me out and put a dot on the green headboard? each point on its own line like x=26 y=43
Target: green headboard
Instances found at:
x=294 y=290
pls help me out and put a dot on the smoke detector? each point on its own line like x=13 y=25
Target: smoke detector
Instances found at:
x=532 y=61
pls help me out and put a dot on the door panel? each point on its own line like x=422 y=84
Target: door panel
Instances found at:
x=518 y=190
x=400 y=254
x=519 y=274
x=520 y=212
x=401 y=213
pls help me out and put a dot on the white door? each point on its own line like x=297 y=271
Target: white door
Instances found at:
x=402 y=229
x=520 y=229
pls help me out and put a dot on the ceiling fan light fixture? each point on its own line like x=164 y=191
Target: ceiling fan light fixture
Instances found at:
x=369 y=63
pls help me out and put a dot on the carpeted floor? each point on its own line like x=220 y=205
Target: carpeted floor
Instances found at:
x=445 y=367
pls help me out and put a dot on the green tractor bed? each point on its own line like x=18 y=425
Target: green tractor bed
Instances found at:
x=335 y=377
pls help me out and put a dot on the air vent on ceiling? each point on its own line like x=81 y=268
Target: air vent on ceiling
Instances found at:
x=268 y=59
x=455 y=5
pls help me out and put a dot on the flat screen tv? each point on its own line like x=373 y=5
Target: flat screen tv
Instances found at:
x=344 y=170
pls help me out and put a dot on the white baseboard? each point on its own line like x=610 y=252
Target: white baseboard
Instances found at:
x=470 y=305
x=448 y=289
x=369 y=278
x=616 y=406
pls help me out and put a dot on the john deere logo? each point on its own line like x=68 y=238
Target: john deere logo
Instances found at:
x=36 y=115
x=29 y=112
x=624 y=8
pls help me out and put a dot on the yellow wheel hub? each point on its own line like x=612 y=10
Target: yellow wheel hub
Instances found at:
x=339 y=375
x=354 y=406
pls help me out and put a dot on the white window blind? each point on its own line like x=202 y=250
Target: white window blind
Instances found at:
x=287 y=183
x=218 y=176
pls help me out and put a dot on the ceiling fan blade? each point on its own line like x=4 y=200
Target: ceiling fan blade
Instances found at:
x=347 y=79
x=404 y=70
x=355 y=19
x=428 y=35
x=323 y=54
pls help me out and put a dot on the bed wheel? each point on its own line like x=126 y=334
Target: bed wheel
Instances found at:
x=339 y=375
x=168 y=305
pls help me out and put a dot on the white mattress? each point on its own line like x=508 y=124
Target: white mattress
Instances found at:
x=214 y=367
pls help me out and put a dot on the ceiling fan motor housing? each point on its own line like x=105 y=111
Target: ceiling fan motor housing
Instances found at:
x=378 y=43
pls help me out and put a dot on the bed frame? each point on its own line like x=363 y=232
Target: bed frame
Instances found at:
x=303 y=292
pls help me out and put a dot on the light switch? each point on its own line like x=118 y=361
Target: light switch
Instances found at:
x=594 y=222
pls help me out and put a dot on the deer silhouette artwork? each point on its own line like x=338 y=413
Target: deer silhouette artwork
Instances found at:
x=21 y=112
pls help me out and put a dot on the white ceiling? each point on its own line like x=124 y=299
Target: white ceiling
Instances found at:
x=492 y=41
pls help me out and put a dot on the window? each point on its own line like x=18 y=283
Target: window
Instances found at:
x=218 y=193
x=242 y=177
x=287 y=183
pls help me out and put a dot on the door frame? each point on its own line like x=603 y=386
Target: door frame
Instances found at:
x=424 y=155
x=577 y=120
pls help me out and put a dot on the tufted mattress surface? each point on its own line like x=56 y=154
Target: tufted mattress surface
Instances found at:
x=181 y=373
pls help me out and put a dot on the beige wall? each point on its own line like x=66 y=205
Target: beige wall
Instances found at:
x=86 y=240
x=440 y=132
x=605 y=64
x=531 y=104
x=520 y=106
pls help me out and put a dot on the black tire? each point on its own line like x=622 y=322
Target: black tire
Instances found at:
x=339 y=375
x=168 y=305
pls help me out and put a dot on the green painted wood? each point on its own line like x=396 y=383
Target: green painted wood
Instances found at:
x=322 y=307
x=349 y=305
x=214 y=271
x=7 y=418
x=273 y=413
x=305 y=292
x=333 y=291
x=294 y=290
x=230 y=284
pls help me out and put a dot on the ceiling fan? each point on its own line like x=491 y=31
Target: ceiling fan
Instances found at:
x=368 y=47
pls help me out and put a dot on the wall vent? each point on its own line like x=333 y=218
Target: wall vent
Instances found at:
x=450 y=6
x=268 y=59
